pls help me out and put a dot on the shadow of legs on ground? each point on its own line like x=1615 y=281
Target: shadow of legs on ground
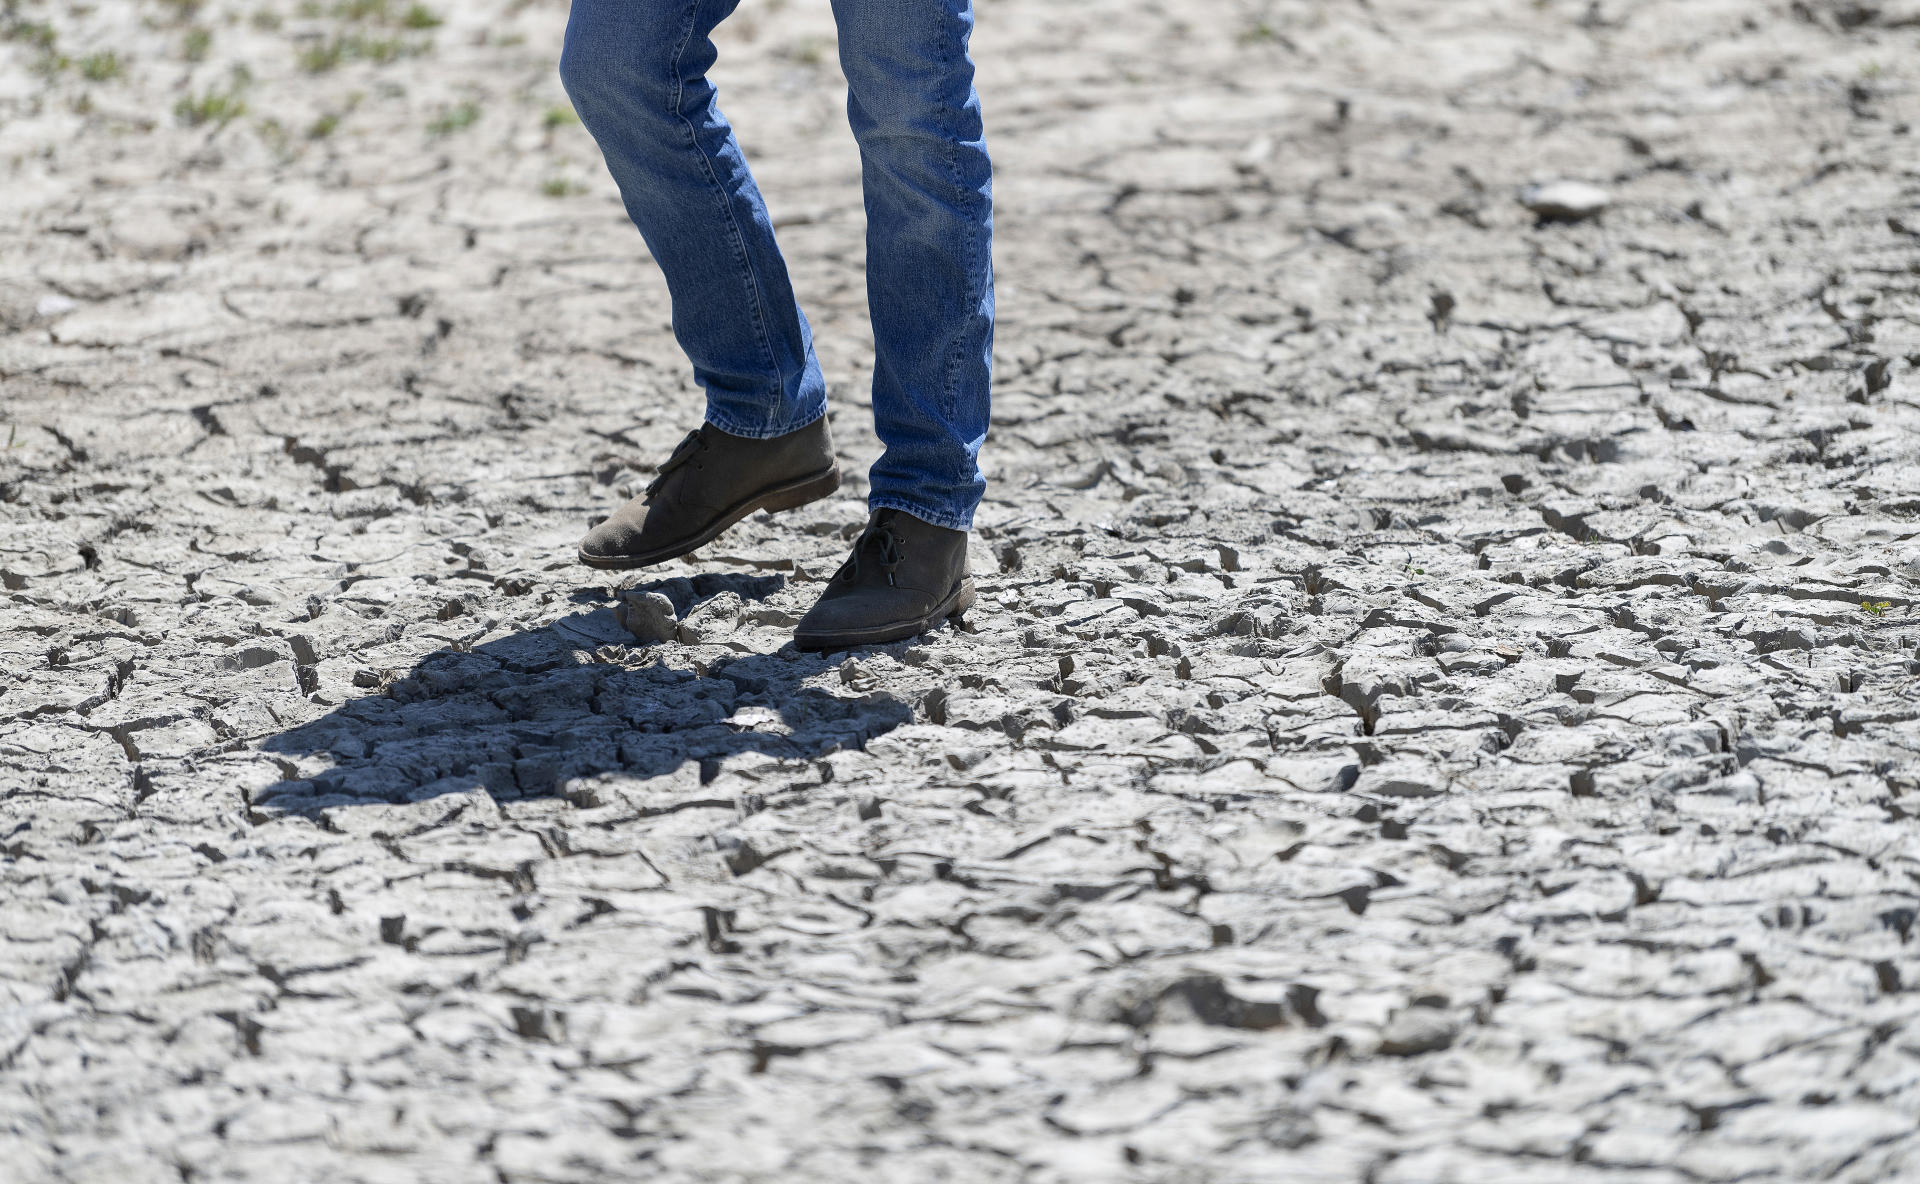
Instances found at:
x=521 y=715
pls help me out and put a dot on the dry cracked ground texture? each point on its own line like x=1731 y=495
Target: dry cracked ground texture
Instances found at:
x=1442 y=706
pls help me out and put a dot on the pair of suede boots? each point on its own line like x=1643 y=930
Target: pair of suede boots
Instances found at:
x=904 y=577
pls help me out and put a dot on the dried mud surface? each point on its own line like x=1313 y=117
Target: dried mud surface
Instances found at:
x=1441 y=708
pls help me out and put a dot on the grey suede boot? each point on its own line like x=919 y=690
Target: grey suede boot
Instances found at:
x=712 y=481
x=904 y=577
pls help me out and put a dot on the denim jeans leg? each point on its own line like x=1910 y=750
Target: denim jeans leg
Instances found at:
x=929 y=197
x=636 y=71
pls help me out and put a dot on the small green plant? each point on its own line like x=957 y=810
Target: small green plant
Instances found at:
x=559 y=116
x=419 y=16
x=561 y=187
x=265 y=19
x=809 y=51
x=49 y=64
x=381 y=50
x=219 y=107
x=361 y=10
x=274 y=135
x=197 y=42
x=34 y=36
x=454 y=119
x=324 y=56
x=1874 y=608
x=1258 y=33
x=102 y=67
x=321 y=57
x=324 y=126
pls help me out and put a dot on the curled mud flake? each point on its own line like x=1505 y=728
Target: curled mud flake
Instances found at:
x=1565 y=201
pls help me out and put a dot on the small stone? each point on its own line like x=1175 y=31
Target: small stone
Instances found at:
x=1565 y=201
x=1417 y=1030
x=934 y=705
x=963 y=759
x=856 y=675
x=544 y=1024
x=1878 y=375
x=53 y=304
x=647 y=615
x=1709 y=212
x=741 y=856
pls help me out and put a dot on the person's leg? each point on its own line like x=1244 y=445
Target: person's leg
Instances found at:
x=636 y=71
x=929 y=196
x=929 y=191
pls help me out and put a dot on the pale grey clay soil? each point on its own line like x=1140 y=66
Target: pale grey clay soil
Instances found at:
x=1441 y=708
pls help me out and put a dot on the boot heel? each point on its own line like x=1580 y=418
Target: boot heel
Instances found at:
x=964 y=600
x=795 y=496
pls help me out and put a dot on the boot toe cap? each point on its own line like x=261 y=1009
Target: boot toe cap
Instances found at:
x=838 y=614
x=611 y=539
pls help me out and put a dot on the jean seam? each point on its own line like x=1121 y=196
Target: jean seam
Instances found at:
x=741 y=255
x=951 y=392
x=976 y=273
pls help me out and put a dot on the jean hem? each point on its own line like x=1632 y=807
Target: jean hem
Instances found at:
x=734 y=427
x=940 y=518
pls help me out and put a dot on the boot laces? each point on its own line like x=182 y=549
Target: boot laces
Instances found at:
x=880 y=542
x=682 y=453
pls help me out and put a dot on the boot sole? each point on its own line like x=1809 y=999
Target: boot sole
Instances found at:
x=790 y=496
x=959 y=602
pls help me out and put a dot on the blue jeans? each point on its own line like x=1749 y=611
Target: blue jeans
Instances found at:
x=636 y=71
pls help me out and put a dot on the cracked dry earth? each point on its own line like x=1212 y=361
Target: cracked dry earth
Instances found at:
x=1441 y=708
